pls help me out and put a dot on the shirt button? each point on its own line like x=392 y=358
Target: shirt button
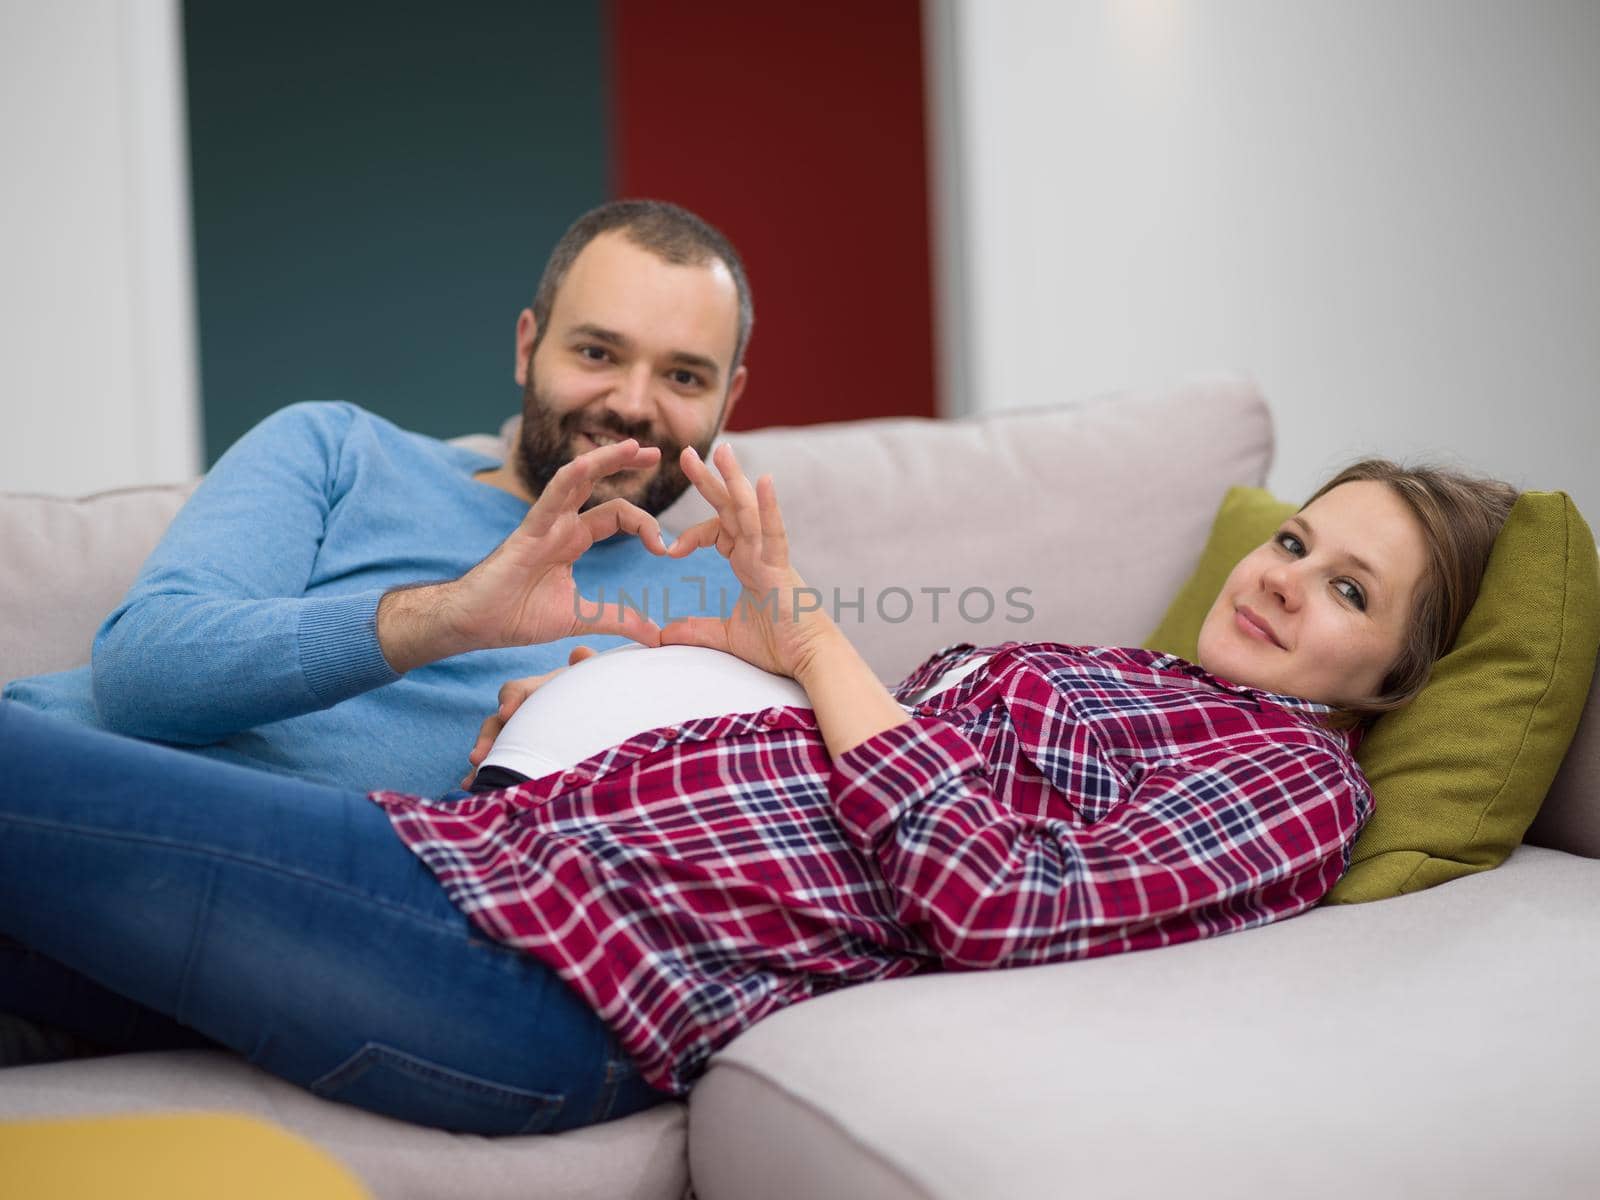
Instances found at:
x=669 y=734
x=770 y=717
x=574 y=777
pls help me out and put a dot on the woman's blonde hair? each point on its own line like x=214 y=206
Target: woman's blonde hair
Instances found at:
x=1460 y=516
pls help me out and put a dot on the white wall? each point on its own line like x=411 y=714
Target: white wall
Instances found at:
x=97 y=348
x=1387 y=212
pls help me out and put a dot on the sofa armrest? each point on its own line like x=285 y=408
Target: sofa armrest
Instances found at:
x=65 y=563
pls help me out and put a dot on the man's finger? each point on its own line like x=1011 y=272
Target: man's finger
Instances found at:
x=571 y=485
x=618 y=514
x=616 y=618
x=696 y=631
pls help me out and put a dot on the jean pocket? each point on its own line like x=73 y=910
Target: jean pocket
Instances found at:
x=384 y=1080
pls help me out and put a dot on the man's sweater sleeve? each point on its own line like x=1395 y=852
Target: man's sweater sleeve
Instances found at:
x=217 y=635
x=1191 y=851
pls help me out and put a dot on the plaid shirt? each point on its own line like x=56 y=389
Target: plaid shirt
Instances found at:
x=1061 y=802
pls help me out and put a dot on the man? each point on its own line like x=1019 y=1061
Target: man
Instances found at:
x=287 y=621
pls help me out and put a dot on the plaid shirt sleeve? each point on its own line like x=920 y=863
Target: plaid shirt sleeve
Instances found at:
x=1236 y=841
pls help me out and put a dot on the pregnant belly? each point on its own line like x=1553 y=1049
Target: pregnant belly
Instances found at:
x=607 y=699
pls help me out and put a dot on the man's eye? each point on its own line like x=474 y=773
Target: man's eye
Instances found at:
x=686 y=378
x=1351 y=592
x=594 y=353
x=1289 y=542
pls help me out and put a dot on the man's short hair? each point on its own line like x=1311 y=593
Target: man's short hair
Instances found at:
x=673 y=234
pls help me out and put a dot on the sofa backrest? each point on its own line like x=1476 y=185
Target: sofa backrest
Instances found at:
x=1072 y=523
x=1569 y=818
x=1098 y=509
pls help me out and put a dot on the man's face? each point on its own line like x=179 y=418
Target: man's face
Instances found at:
x=636 y=347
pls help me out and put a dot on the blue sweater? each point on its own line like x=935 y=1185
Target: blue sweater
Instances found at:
x=251 y=631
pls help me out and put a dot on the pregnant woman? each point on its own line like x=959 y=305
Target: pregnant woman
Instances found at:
x=666 y=844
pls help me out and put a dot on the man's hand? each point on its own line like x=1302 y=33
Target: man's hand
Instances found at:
x=512 y=693
x=523 y=593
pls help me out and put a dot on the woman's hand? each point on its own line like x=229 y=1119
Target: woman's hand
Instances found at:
x=768 y=627
x=523 y=593
x=512 y=693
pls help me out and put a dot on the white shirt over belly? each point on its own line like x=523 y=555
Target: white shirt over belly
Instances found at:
x=609 y=698
x=606 y=699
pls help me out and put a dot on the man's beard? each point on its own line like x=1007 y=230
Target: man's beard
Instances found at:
x=545 y=446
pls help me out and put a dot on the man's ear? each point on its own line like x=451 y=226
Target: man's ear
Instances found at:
x=527 y=331
x=735 y=390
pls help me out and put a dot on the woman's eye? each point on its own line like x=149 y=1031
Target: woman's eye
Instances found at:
x=1351 y=592
x=1289 y=542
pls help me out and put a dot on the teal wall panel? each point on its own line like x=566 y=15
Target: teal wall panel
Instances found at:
x=376 y=186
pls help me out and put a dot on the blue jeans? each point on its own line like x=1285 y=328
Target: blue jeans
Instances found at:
x=155 y=898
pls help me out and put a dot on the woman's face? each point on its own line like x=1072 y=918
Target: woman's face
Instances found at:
x=1323 y=608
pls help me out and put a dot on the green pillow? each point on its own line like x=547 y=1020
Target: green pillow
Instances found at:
x=1459 y=773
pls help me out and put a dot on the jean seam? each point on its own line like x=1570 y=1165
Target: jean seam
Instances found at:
x=619 y=1067
x=606 y=1096
x=541 y=1107
x=197 y=937
x=231 y=856
x=357 y=1064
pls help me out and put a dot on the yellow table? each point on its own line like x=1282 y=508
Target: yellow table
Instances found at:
x=177 y=1156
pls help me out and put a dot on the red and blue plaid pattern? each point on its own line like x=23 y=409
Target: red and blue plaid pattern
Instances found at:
x=1061 y=802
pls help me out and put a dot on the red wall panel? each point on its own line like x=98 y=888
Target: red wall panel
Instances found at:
x=798 y=130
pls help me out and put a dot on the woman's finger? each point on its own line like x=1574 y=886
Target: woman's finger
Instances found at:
x=700 y=474
x=741 y=495
x=774 y=538
x=695 y=537
x=514 y=691
x=512 y=695
x=705 y=481
x=487 y=732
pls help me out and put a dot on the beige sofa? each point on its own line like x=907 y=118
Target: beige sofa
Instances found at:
x=1440 y=1044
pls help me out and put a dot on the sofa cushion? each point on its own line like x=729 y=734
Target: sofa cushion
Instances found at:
x=891 y=511
x=1429 y=1045
x=641 y=1156
x=1458 y=774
